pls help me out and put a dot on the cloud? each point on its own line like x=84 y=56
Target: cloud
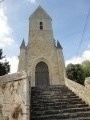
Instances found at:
x=6 y=38
x=79 y=59
x=32 y=1
x=88 y=46
x=13 y=61
x=7 y=42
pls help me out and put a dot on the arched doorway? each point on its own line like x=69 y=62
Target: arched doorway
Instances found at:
x=41 y=75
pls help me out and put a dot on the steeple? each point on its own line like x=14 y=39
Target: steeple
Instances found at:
x=40 y=13
x=59 y=45
x=22 y=45
x=40 y=25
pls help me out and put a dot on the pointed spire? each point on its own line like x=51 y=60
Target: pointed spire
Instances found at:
x=22 y=45
x=59 y=45
x=40 y=12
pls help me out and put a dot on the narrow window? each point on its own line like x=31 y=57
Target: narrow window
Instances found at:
x=41 y=25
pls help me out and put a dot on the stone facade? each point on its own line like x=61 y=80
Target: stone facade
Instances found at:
x=14 y=97
x=82 y=91
x=42 y=48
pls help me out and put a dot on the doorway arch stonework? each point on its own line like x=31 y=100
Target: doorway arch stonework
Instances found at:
x=41 y=75
x=42 y=59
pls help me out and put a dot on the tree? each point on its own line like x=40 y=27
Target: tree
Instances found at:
x=75 y=73
x=86 y=68
x=4 y=65
x=70 y=71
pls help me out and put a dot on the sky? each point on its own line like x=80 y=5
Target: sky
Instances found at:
x=68 y=21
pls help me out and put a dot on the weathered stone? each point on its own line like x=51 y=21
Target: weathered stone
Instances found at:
x=87 y=83
x=14 y=92
x=80 y=90
x=57 y=103
x=41 y=48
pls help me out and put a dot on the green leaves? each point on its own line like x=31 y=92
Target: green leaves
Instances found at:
x=4 y=66
x=75 y=73
x=86 y=68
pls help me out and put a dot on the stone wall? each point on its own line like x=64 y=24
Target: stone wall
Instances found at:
x=14 y=97
x=82 y=91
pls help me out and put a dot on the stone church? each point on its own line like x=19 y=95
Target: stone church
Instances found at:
x=40 y=89
x=42 y=58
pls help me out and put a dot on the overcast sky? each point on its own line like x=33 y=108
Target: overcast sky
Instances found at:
x=68 y=23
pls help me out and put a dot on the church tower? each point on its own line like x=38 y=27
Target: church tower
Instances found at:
x=42 y=59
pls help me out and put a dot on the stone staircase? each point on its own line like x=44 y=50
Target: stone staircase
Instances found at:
x=57 y=103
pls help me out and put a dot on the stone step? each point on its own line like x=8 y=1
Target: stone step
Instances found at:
x=48 y=91
x=54 y=97
x=55 y=100
x=51 y=92
x=57 y=103
x=62 y=116
x=50 y=111
x=53 y=89
x=58 y=107
x=79 y=118
x=50 y=87
x=63 y=89
x=83 y=118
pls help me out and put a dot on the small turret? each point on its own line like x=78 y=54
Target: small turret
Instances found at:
x=22 y=45
x=59 y=45
x=21 y=65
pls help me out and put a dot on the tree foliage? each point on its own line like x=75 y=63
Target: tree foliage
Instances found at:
x=4 y=65
x=75 y=72
x=86 y=68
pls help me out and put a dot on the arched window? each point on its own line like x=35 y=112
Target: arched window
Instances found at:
x=41 y=25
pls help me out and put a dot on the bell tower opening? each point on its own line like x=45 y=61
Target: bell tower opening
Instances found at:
x=41 y=25
x=41 y=75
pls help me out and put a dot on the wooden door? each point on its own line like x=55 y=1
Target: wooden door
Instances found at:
x=41 y=75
